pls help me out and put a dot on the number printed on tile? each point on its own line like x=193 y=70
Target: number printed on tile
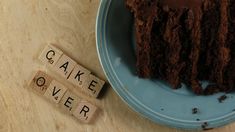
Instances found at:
x=93 y=85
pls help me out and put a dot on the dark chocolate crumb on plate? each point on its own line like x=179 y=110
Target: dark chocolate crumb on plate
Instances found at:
x=207 y=129
x=205 y=126
x=195 y=110
x=222 y=98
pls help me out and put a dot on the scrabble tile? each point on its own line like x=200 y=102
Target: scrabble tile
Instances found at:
x=50 y=55
x=40 y=82
x=69 y=102
x=55 y=91
x=85 y=111
x=93 y=85
x=78 y=76
x=64 y=66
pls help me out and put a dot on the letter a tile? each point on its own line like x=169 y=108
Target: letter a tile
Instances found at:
x=64 y=66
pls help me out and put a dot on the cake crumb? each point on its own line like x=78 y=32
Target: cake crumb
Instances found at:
x=222 y=98
x=205 y=126
x=195 y=110
x=207 y=129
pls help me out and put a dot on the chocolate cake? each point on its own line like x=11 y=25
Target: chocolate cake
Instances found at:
x=186 y=41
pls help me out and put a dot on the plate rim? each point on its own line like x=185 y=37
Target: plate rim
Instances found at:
x=101 y=18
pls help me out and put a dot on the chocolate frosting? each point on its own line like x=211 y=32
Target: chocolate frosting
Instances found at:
x=194 y=4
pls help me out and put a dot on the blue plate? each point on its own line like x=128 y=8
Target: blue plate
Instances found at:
x=153 y=99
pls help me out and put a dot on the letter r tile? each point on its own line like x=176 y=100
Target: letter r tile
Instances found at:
x=69 y=101
x=55 y=91
x=50 y=55
x=85 y=111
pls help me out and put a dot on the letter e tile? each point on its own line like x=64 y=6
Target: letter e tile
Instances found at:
x=93 y=85
x=69 y=101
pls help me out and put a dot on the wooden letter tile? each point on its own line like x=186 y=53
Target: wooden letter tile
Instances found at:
x=50 y=55
x=40 y=82
x=69 y=102
x=85 y=111
x=64 y=66
x=93 y=85
x=55 y=91
x=78 y=76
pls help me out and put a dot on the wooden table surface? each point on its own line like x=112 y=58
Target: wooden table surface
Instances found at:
x=26 y=26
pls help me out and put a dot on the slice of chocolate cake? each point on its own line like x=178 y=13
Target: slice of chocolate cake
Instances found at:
x=144 y=12
x=185 y=41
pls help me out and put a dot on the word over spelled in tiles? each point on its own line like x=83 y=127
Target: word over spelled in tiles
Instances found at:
x=55 y=91
x=85 y=111
x=50 y=55
x=67 y=101
x=40 y=82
